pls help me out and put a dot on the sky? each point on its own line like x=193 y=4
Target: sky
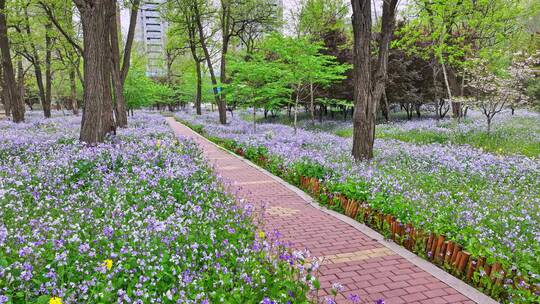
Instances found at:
x=288 y=7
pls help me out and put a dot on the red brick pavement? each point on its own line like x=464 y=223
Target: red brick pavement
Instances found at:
x=362 y=265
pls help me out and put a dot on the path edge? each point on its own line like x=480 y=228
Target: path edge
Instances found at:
x=462 y=287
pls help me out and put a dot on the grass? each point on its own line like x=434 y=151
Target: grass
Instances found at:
x=516 y=136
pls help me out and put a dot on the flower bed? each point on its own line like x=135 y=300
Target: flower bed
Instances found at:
x=486 y=204
x=511 y=134
x=138 y=219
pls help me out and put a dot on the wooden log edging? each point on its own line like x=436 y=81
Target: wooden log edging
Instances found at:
x=447 y=254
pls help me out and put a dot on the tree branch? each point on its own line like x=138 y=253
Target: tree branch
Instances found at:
x=129 y=41
x=70 y=39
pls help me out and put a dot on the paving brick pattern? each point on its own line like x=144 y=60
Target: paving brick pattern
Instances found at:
x=362 y=265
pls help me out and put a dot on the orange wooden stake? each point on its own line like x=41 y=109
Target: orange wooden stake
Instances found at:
x=448 y=253
x=455 y=255
x=438 y=248
x=470 y=269
x=463 y=261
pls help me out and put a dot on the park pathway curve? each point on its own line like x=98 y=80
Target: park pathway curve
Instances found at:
x=362 y=264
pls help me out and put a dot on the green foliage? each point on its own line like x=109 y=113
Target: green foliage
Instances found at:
x=268 y=77
x=318 y=17
x=141 y=91
x=186 y=86
x=259 y=83
x=452 y=30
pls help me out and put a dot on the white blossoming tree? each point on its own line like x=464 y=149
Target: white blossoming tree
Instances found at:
x=493 y=91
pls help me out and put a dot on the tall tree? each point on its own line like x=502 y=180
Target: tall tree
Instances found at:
x=120 y=70
x=235 y=18
x=48 y=71
x=198 y=14
x=182 y=16
x=13 y=96
x=368 y=88
x=97 y=97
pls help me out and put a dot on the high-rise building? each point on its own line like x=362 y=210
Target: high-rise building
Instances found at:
x=150 y=33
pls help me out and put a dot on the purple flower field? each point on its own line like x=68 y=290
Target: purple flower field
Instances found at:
x=138 y=219
x=488 y=202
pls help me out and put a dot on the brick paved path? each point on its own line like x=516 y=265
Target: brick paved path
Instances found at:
x=363 y=265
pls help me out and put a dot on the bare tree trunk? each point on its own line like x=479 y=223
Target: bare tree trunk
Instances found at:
x=108 y=121
x=222 y=104
x=198 y=97
x=386 y=107
x=455 y=105
x=367 y=93
x=5 y=97
x=296 y=108
x=363 y=118
x=95 y=34
x=73 y=91
x=202 y=40
x=254 y=119
x=36 y=62
x=312 y=103
x=48 y=74
x=387 y=30
x=20 y=78
x=225 y=39
x=118 y=84
x=10 y=86
x=129 y=39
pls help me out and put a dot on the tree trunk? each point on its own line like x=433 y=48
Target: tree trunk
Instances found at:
x=254 y=119
x=198 y=97
x=73 y=91
x=118 y=84
x=289 y=111
x=20 y=79
x=312 y=103
x=386 y=107
x=14 y=99
x=3 y=87
x=96 y=46
x=202 y=40
x=456 y=107
x=225 y=39
x=36 y=62
x=48 y=74
x=108 y=122
x=363 y=117
x=296 y=108
x=368 y=92
x=222 y=104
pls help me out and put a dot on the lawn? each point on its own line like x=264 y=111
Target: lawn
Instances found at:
x=488 y=202
x=138 y=219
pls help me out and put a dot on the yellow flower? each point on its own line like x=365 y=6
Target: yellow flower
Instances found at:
x=262 y=235
x=108 y=263
x=55 y=300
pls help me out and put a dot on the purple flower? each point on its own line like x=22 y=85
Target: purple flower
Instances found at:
x=354 y=298
x=3 y=299
x=3 y=234
x=108 y=232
